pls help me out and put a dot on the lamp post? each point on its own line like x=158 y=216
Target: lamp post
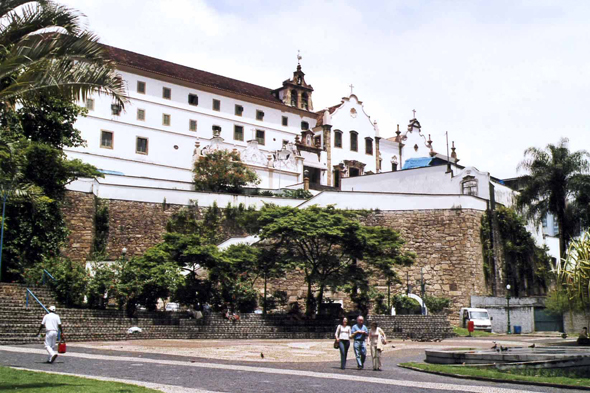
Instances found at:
x=508 y=307
x=124 y=253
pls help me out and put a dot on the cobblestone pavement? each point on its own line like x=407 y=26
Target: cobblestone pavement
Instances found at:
x=208 y=366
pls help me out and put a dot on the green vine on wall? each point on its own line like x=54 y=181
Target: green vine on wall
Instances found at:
x=101 y=227
x=526 y=266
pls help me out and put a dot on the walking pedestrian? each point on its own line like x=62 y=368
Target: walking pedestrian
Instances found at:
x=377 y=340
x=360 y=333
x=52 y=324
x=343 y=339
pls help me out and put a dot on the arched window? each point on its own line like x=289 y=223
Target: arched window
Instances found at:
x=294 y=98
x=354 y=141
x=305 y=101
x=369 y=146
x=338 y=138
x=304 y=126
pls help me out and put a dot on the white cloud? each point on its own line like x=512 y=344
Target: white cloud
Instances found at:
x=499 y=76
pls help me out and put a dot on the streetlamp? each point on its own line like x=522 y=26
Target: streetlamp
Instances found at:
x=124 y=253
x=508 y=307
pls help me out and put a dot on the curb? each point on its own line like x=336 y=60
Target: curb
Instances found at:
x=516 y=382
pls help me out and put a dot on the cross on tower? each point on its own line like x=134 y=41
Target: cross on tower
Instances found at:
x=299 y=57
x=351 y=87
x=414 y=111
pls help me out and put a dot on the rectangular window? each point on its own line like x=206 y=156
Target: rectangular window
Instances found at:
x=354 y=142
x=216 y=105
x=166 y=93
x=165 y=119
x=260 y=137
x=216 y=130
x=238 y=133
x=106 y=139
x=192 y=125
x=141 y=145
x=90 y=104
x=304 y=126
x=338 y=139
x=116 y=109
x=193 y=99
x=285 y=143
x=259 y=115
x=141 y=87
x=141 y=114
x=285 y=121
x=369 y=146
x=239 y=110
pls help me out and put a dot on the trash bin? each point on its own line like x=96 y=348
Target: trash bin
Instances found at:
x=517 y=329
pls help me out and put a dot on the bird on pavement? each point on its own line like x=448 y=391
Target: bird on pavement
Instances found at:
x=261 y=355
x=495 y=345
x=532 y=346
x=503 y=348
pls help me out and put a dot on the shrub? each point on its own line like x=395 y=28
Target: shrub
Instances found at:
x=436 y=305
x=100 y=284
x=70 y=282
x=223 y=171
x=406 y=306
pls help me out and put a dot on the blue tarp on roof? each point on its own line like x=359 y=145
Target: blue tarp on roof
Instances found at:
x=419 y=162
x=109 y=172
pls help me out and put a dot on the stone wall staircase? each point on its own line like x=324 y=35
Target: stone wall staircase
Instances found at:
x=19 y=324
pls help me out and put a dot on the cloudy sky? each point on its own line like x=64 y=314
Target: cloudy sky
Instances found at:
x=499 y=76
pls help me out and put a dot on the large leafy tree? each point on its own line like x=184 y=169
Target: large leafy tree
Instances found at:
x=328 y=245
x=222 y=171
x=34 y=171
x=45 y=48
x=556 y=178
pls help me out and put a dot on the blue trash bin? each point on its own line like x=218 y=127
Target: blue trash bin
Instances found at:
x=517 y=329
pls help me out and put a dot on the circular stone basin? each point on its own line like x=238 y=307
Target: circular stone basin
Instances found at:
x=512 y=355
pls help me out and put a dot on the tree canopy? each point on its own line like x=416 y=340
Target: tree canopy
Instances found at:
x=557 y=182
x=327 y=244
x=44 y=48
x=222 y=171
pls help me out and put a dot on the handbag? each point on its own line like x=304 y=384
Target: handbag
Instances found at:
x=336 y=345
x=61 y=347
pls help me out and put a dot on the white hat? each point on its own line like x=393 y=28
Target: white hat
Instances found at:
x=52 y=308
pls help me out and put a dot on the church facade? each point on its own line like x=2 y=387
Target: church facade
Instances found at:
x=175 y=114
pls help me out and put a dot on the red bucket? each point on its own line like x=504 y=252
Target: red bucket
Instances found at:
x=61 y=348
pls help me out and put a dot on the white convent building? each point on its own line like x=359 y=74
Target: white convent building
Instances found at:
x=176 y=114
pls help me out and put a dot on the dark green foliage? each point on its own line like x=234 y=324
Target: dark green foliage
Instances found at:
x=223 y=171
x=146 y=279
x=101 y=226
x=405 y=305
x=70 y=279
x=35 y=229
x=102 y=283
x=556 y=177
x=50 y=120
x=326 y=243
x=558 y=303
x=436 y=305
x=526 y=266
x=33 y=173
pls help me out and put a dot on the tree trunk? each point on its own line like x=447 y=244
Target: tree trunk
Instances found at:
x=562 y=245
x=309 y=309
x=264 y=304
x=320 y=298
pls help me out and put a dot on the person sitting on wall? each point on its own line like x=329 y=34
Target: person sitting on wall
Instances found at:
x=583 y=338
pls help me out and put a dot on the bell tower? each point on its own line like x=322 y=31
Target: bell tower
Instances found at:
x=295 y=91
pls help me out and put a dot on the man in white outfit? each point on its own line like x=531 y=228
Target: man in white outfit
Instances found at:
x=52 y=325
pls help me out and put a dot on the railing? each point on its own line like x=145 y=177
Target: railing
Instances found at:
x=30 y=293
x=45 y=275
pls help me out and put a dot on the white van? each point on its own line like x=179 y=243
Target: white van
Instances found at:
x=480 y=317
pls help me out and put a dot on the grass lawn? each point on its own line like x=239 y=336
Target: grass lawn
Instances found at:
x=496 y=374
x=11 y=379
x=463 y=332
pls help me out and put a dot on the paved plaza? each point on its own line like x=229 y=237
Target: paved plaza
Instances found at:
x=237 y=366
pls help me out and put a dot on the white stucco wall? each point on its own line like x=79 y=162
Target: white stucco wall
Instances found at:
x=346 y=121
x=170 y=148
x=429 y=180
x=391 y=201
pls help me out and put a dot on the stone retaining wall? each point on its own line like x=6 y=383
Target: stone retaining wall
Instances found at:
x=446 y=242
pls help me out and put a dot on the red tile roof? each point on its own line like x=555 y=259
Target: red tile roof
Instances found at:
x=177 y=71
x=320 y=118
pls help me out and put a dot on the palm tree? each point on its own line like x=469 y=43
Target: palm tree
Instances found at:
x=556 y=179
x=44 y=48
